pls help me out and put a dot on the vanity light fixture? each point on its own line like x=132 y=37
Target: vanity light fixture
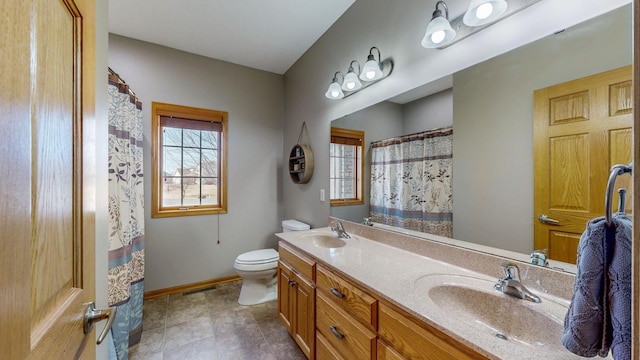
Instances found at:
x=479 y=15
x=482 y=12
x=335 y=90
x=439 y=31
x=351 y=81
x=372 y=72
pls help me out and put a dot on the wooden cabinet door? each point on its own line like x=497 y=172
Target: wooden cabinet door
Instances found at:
x=285 y=295
x=581 y=129
x=47 y=212
x=304 y=317
x=387 y=353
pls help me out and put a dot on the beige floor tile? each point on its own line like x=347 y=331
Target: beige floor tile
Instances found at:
x=205 y=349
x=187 y=332
x=212 y=325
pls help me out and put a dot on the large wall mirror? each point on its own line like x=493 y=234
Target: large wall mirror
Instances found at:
x=490 y=106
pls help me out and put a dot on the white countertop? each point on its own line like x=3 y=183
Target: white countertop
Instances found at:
x=396 y=274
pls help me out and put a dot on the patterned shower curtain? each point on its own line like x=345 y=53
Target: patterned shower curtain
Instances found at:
x=411 y=184
x=126 y=215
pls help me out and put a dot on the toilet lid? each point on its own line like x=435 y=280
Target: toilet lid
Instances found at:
x=258 y=257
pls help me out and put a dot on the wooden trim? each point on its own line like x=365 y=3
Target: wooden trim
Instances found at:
x=190 y=287
x=162 y=109
x=357 y=136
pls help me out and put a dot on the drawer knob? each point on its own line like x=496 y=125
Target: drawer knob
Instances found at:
x=335 y=332
x=337 y=293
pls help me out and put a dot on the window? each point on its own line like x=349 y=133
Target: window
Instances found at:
x=189 y=160
x=346 y=166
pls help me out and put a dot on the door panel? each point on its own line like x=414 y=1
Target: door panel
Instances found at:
x=47 y=144
x=581 y=129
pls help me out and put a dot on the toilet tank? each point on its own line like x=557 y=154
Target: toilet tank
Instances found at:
x=294 y=225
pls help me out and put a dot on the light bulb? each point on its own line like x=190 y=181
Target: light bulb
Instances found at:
x=370 y=74
x=484 y=11
x=437 y=36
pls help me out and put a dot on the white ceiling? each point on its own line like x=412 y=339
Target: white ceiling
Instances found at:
x=265 y=35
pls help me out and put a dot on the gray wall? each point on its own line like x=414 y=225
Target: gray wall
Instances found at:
x=431 y=112
x=493 y=126
x=396 y=29
x=183 y=250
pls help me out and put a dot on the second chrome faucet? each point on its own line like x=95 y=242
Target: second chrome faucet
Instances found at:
x=510 y=283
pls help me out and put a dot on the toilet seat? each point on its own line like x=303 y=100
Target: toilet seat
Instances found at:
x=257 y=260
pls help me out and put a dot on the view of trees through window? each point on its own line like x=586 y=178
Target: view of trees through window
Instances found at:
x=346 y=166
x=190 y=167
x=189 y=160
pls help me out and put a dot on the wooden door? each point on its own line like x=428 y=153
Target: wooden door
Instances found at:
x=581 y=129
x=305 y=316
x=47 y=210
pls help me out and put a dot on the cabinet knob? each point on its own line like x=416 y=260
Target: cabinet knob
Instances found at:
x=292 y=283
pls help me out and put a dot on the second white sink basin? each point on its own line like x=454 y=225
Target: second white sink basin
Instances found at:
x=472 y=303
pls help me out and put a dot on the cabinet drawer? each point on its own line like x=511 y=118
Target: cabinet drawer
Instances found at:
x=416 y=342
x=348 y=336
x=362 y=306
x=324 y=350
x=302 y=264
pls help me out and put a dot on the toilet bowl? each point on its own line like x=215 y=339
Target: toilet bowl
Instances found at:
x=258 y=270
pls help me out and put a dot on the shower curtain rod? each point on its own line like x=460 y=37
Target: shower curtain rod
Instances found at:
x=123 y=87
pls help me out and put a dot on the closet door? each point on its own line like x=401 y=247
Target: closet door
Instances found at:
x=581 y=129
x=48 y=187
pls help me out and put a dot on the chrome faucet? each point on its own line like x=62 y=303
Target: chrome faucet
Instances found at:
x=339 y=229
x=539 y=257
x=510 y=284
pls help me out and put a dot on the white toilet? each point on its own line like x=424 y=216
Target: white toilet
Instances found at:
x=258 y=270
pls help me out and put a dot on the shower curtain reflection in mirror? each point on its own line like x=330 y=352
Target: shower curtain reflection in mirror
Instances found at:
x=411 y=184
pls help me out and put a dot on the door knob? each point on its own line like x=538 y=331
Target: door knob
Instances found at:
x=547 y=220
x=92 y=315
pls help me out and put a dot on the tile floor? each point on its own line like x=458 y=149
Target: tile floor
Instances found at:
x=211 y=325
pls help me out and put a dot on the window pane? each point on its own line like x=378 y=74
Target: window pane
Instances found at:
x=210 y=163
x=209 y=191
x=171 y=158
x=191 y=138
x=171 y=193
x=209 y=140
x=191 y=162
x=171 y=136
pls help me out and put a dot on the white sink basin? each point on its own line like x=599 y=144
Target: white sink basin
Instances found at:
x=472 y=304
x=322 y=240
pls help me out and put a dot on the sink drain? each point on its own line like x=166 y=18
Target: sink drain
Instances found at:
x=501 y=336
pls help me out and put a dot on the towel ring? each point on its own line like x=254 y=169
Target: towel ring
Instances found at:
x=616 y=170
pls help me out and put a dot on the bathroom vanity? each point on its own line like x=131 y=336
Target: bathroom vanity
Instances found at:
x=383 y=295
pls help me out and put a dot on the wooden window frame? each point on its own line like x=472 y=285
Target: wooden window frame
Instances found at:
x=159 y=110
x=337 y=136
